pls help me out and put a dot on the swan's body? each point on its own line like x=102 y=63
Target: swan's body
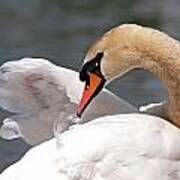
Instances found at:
x=128 y=147
x=42 y=95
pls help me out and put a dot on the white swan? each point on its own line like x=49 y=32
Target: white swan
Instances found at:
x=120 y=50
x=41 y=95
x=126 y=146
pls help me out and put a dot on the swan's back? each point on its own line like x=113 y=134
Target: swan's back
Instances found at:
x=121 y=147
x=128 y=147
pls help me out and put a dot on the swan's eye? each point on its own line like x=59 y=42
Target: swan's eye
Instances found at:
x=92 y=66
x=97 y=64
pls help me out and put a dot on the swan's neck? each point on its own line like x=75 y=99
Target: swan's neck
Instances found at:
x=130 y=46
x=160 y=55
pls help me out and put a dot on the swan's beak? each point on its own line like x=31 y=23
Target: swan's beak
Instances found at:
x=91 y=89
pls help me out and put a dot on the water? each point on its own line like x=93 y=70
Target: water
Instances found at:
x=62 y=31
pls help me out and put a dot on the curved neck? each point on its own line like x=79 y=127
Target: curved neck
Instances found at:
x=130 y=46
x=160 y=55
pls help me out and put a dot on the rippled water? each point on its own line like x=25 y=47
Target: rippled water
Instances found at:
x=62 y=31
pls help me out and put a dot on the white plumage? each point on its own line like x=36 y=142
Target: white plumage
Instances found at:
x=128 y=147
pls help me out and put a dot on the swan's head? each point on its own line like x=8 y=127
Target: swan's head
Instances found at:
x=110 y=56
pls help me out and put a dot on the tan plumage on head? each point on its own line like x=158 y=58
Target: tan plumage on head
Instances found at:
x=129 y=46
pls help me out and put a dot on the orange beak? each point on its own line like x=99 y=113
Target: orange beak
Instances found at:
x=90 y=91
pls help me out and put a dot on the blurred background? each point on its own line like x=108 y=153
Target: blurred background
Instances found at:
x=62 y=30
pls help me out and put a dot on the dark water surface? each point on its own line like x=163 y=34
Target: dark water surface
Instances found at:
x=62 y=31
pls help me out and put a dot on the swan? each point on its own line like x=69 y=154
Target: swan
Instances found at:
x=40 y=95
x=122 y=146
x=130 y=46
